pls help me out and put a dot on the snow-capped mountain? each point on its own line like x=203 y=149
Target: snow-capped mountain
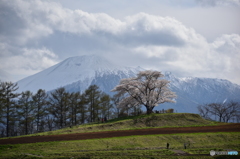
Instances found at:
x=78 y=73
x=194 y=91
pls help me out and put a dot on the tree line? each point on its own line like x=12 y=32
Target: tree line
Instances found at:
x=27 y=112
x=222 y=112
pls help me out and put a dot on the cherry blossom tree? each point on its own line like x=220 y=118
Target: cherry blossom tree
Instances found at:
x=148 y=89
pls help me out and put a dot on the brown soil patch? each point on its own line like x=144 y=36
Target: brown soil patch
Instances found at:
x=94 y=135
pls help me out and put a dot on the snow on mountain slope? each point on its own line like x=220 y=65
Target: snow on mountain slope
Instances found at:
x=79 y=69
x=193 y=91
x=78 y=73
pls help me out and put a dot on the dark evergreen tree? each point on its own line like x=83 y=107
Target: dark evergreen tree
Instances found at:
x=8 y=103
x=74 y=99
x=40 y=102
x=25 y=111
x=105 y=105
x=50 y=122
x=58 y=102
x=82 y=108
x=2 y=101
x=92 y=96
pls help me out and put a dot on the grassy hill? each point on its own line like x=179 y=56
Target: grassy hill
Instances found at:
x=147 y=146
x=138 y=122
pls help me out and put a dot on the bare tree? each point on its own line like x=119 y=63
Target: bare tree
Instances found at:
x=217 y=109
x=146 y=89
x=232 y=111
x=204 y=111
x=237 y=117
x=224 y=111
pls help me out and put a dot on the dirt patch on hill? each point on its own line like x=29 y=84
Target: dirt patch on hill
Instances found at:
x=94 y=135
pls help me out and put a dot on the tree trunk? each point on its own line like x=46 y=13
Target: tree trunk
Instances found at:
x=75 y=116
x=38 y=117
x=7 y=116
x=149 y=109
x=7 y=123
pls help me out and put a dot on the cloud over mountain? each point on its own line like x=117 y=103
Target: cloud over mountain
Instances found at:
x=43 y=33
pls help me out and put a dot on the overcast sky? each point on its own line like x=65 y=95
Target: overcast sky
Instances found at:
x=198 y=38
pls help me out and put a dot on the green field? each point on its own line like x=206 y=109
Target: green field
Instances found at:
x=132 y=146
x=147 y=146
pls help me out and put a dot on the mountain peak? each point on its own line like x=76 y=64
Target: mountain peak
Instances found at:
x=73 y=69
x=90 y=62
x=79 y=72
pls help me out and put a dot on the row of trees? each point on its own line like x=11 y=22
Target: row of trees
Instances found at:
x=222 y=112
x=26 y=113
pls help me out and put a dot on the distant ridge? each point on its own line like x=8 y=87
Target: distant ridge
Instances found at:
x=79 y=69
x=78 y=73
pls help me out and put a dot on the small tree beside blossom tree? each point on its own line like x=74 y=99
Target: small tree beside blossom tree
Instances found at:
x=147 y=89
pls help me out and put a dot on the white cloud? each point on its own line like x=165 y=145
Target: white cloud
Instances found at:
x=21 y=23
x=38 y=59
x=43 y=18
x=219 y=59
x=28 y=61
x=227 y=44
x=4 y=76
x=218 y=2
x=44 y=31
x=227 y=48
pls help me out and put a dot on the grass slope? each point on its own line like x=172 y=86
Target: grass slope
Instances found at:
x=147 y=146
x=138 y=122
x=150 y=146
